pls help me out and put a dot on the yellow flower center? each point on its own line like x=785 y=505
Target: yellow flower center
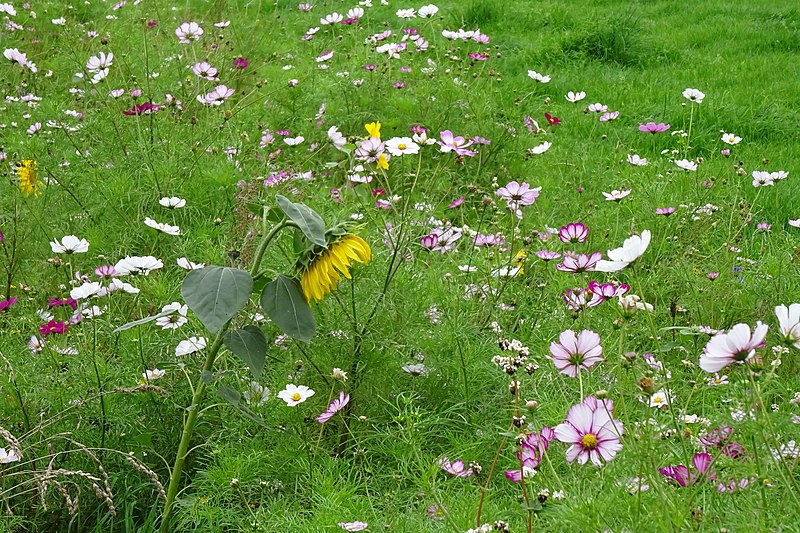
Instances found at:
x=296 y=397
x=401 y=146
x=589 y=441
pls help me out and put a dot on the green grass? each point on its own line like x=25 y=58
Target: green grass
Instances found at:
x=104 y=179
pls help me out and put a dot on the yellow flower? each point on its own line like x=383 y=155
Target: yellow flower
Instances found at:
x=383 y=162
x=29 y=183
x=519 y=261
x=321 y=274
x=374 y=129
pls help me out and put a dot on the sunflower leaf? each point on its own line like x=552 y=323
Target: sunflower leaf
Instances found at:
x=309 y=222
x=215 y=294
x=233 y=397
x=285 y=304
x=249 y=345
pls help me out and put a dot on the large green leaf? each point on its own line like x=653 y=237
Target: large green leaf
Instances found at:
x=233 y=397
x=215 y=294
x=309 y=222
x=250 y=345
x=285 y=304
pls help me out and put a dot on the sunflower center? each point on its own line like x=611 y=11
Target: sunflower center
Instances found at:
x=589 y=441
x=296 y=397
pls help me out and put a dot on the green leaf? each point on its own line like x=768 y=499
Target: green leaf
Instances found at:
x=233 y=397
x=141 y=321
x=256 y=208
x=309 y=222
x=250 y=345
x=285 y=304
x=215 y=294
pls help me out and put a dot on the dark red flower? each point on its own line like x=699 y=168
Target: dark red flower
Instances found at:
x=553 y=121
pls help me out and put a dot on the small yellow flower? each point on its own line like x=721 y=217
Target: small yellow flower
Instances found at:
x=382 y=162
x=29 y=182
x=321 y=274
x=374 y=129
x=519 y=261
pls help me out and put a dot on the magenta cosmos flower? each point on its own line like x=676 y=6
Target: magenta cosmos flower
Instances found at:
x=592 y=432
x=574 y=352
x=680 y=474
x=652 y=127
x=5 y=304
x=608 y=290
x=531 y=453
x=145 y=108
x=579 y=263
x=736 y=345
x=573 y=232
x=240 y=63
x=577 y=299
x=456 y=468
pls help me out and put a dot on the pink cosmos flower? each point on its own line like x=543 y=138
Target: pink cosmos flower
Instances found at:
x=574 y=232
x=59 y=328
x=652 y=127
x=205 y=70
x=455 y=203
x=665 y=211
x=188 y=32
x=573 y=353
x=680 y=473
x=576 y=264
x=488 y=240
x=607 y=117
x=451 y=143
x=335 y=406
x=445 y=238
x=736 y=345
x=608 y=290
x=579 y=299
x=145 y=108
x=592 y=432
x=5 y=304
x=518 y=195
x=456 y=468
x=240 y=63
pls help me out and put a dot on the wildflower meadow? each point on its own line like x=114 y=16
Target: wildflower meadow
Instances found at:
x=470 y=266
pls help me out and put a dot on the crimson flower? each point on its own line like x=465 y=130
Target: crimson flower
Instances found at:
x=553 y=121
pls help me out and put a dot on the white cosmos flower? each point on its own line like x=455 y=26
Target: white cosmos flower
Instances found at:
x=161 y=226
x=294 y=394
x=406 y=13
x=8 y=456
x=597 y=108
x=789 y=323
x=762 y=178
x=187 y=31
x=730 y=138
x=575 y=97
x=8 y=9
x=99 y=76
x=153 y=374
x=794 y=223
x=637 y=161
x=615 y=195
x=659 y=399
x=294 y=141
x=355 y=13
x=70 y=244
x=257 y=394
x=631 y=250
x=172 y=202
x=398 y=146
x=335 y=136
x=118 y=284
x=737 y=345
x=188 y=265
x=542 y=148
x=333 y=18
x=173 y=321
x=191 y=345
x=135 y=265
x=92 y=312
x=694 y=95
x=100 y=62
x=532 y=74
x=428 y=11
x=61 y=21
x=88 y=289
x=686 y=164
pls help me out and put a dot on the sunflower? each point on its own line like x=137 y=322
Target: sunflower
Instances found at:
x=29 y=183
x=320 y=274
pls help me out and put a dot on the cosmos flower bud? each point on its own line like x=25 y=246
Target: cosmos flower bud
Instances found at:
x=531 y=404
x=602 y=393
x=647 y=385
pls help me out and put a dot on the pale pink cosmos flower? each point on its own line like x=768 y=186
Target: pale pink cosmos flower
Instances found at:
x=188 y=32
x=576 y=264
x=335 y=406
x=531 y=452
x=738 y=344
x=575 y=352
x=445 y=238
x=353 y=526
x=607 y=117
x=615 y=195
x=333 y=18
x=592 y=432
x=518 y=195
x=217 y=96
x=205 y=70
